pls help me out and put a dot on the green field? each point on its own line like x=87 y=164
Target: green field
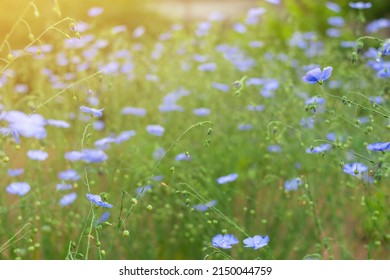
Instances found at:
x=128 y=138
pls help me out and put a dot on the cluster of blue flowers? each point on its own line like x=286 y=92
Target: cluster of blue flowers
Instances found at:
x=226 y=241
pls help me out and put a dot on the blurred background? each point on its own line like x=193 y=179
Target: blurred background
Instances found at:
x=156 y=15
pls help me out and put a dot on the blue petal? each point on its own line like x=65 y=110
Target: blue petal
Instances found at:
x=326 y=73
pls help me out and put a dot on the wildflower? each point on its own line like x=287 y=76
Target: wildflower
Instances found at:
x=134 y=111
x=207 y=67
x=292 y=184
x=239 y=27
x=319 y=149
x=224 y=241
x=182 y=156
x=204 y=207
x=19 y=188
x=97 y=200
x=69 y=174
x=68 y=199
x=256 y=242
x=258 y=108
x=104 y=217
x=317 y=76
x=27 y=126
x=228 y=178
x=245 y=127
x=124 y=135
x=141 y=190
x=336 y=21
x=308 y=122
x=220 y=86
x=58 y=123
x=201 y=111
x=37 y=155
x=360 y=5
x=375 y=25
x=139 y=31
x=15 y=172
x=93 y=156
x=379 y=146
x=98 y=125
x=96 y=112
x=155 y=129
x=63 y=187
x=355 y=168
x=95 y=11
x=333 y=7
x=73 y=155
x=274 y=149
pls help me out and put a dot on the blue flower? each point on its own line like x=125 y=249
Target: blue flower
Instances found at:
x=245 y=127
x=95 y=11
x=68 y=199
x=15 y=172
x=256 y=242
x=134 y=111
x=73 y=155
x=26 y=125
x=360 y=5
x=37 y=155
x=93 y=156
x=207 y=67
x=96 y=112
x=292 y=184
x=58 y=123
x=182 y=156
x=97 y=200
x=204 y=207
x=317 y=76
x=319 y=149
x=220 y=86
x=69 y=174
x=333 y=7
x=336 y=21
x=224 y=241
x=201 y=111
x=104 y=217
x=274 y=149
x=258 y=108
x=142 y=190
x=63 y=187
x=379 y=146
x=155 y=129
x=19 y=188
x=228 y=178
x=355 y=168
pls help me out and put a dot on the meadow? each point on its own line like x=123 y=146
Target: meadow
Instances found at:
x=250 y=139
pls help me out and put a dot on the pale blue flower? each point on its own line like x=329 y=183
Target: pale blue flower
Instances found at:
x=360 y=5
x=256 y=242
x=93 y=111
x=204 y=207
x=18 y=188
x=292 y=184
x=317 y=76
x=227 y=179
x=155 y=129
x=379 y=146
x=224 y=241
x=97 y=200
x=37 y=155
x=68 y=199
